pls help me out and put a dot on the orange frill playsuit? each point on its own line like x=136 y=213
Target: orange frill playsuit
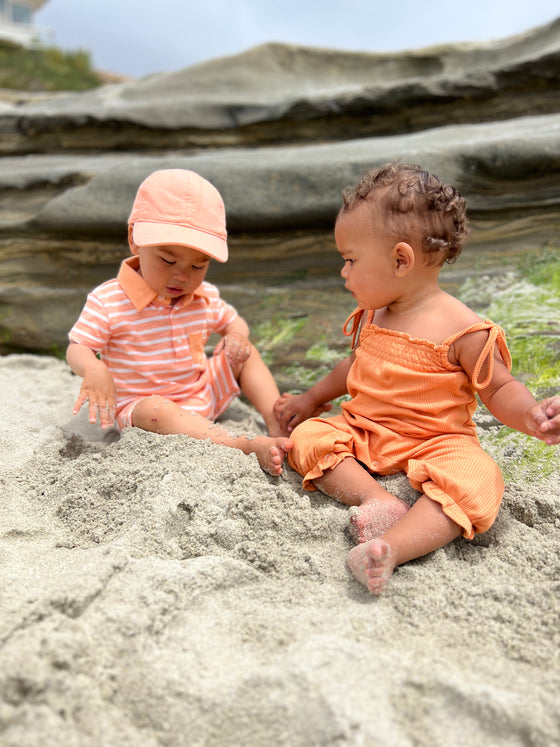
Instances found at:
x=411 y=411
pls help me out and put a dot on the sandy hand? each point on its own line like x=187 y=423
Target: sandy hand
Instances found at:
x=237 y=348
x=98 y=388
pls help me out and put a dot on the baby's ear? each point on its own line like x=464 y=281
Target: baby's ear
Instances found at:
x=132 y=245
x=403 y=258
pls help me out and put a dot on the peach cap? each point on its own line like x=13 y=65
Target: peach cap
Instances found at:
x=176 y=206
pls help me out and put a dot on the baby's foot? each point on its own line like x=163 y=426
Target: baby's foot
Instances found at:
x=372 y=564
x=271 y=453
x=374 y=518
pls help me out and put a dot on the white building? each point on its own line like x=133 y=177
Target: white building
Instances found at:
x=17 y=23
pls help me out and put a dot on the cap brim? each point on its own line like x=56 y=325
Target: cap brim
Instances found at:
x=157 y=234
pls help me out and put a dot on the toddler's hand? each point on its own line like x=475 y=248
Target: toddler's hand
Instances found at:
x=546 y=417
x=98 y=388
x=237 y=348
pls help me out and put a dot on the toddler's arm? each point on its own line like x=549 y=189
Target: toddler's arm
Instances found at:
x=97 y=387
x=291 y=410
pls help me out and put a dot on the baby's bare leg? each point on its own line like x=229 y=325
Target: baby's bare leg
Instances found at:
x=377 y=509
x=421 y=530
x=160 y=415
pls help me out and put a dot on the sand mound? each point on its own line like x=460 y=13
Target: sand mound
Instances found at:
x=157 y=590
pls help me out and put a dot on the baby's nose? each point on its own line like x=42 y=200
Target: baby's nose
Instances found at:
x=181 y=273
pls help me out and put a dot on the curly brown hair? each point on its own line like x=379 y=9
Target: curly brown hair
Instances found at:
x=415 y=206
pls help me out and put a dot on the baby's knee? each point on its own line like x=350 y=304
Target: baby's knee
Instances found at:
x=315 y=440
x=304 y=435
x=469 y=488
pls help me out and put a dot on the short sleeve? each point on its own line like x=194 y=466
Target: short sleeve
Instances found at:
x=92 y=327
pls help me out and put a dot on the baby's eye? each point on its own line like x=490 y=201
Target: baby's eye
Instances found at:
x=198 y=268
x=167 y=261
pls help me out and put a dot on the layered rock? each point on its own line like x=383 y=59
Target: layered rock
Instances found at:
x=282 y=93
x=280 y=131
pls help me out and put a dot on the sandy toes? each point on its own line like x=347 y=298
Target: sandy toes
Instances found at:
x=372 y=564
x=271 y=453
x=373 y=519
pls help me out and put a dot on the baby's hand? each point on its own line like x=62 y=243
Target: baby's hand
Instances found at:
x=546 y=417
x=237 y=348
x=98 y=388
x=292 y=409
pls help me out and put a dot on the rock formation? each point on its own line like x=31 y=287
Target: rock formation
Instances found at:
x=280 y=130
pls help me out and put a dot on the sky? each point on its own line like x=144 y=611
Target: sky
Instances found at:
x=137 y=37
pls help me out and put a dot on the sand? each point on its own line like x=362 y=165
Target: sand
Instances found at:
x=157 y=590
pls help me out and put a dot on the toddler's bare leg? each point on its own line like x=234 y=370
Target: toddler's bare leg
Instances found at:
x=258 y=385
x=160 y=415
x=352 y=485
x=423 y=529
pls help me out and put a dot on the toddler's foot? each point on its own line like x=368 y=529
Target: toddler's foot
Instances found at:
x=271 y=453
x=372 y=564
x=372 y=519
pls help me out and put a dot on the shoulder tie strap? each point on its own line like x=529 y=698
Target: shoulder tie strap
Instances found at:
x=355 y=319
x=496 y=336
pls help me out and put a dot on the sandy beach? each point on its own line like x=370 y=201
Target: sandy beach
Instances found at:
x=157 y=590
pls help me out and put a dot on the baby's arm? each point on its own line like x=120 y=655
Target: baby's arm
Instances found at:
x=508 y=399
x=514 y=405
x=294 y=409
x=98 y=386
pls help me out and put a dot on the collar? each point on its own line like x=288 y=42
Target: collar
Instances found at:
x=142 y=295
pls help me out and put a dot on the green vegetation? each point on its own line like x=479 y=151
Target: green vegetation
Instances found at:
x=318 y=361
x=273 y=333
x=520 y=457
x=45 y=69
x=543 y=269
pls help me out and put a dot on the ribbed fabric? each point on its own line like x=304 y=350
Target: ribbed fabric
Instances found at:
x=411 y=411
x=151 y=346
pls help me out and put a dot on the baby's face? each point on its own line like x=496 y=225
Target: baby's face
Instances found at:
x=171 y=270
x=368 y=268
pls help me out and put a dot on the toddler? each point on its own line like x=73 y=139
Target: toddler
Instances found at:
x=139 y=341
x=412 y=379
